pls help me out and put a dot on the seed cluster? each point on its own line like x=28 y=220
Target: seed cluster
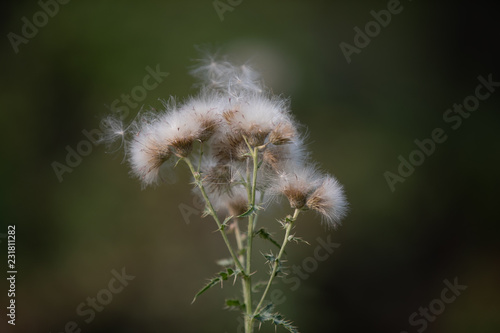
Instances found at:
x=232 y=115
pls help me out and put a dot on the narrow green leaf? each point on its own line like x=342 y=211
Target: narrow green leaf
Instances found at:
x=221 y=276
x=250 y=211
x=226 y=221
x=262 y=233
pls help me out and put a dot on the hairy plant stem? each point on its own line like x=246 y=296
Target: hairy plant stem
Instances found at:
x=211 y=210
x=277 y=261
x=250 y=233
x=239 y=239
x=201 y=157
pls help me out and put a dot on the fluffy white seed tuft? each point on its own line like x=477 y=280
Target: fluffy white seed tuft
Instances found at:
x=296 y=184
x=329 y=200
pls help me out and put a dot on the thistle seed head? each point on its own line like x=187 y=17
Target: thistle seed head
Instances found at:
x=283 y=133
x=147 y=155
x=231 y=148
x=218 y=178
x=281 y=157
x=182 y=146
x=296 y=184
x=329 y=201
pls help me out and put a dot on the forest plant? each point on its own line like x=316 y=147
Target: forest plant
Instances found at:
x=244 y=150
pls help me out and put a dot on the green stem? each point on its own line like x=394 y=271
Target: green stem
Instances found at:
x=201 y=156
x=211 y=209
x=255 y=156
x=250 y=234
x=246 y=283
x=277 y=260
x=247 y=295
x=247 y=184
x=252 y=216
x=239 y=239
x=260 y=204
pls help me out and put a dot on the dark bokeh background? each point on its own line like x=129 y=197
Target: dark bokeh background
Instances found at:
x=396 y=247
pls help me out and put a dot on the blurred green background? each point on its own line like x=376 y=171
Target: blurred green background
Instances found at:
x=396 y=247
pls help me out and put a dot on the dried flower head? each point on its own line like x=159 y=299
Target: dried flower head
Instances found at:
x=204 y=111
x=218 y=178
x=147 y=155
x=283 y=133
x=231 y=148
x=256 y=116
x=329 y=200
x=281 y=157
x=297 y=184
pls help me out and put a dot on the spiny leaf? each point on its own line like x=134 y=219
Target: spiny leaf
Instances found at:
x=226 y=221
x=297 y=239
x=206 y=212
x=266 y=235
x=279 y=320
x=234 y=304
x=285 y=222
x=264 y=312
x=267 y=314
x=221 y=276
x=270 y=257
x=250 y=211
x=272 y=260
